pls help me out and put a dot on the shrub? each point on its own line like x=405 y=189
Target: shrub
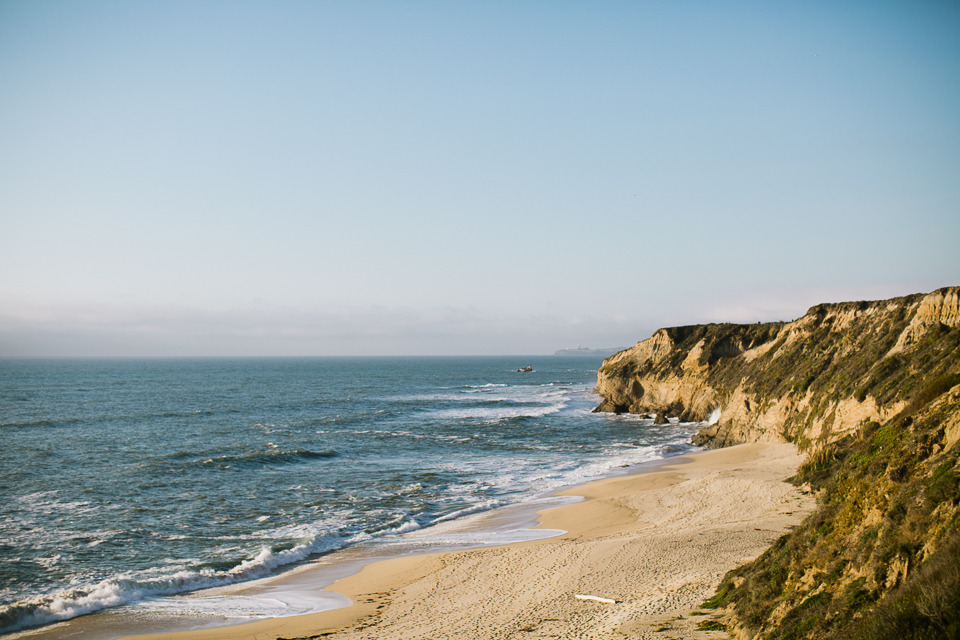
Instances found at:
x=933 y=390
x=942 y=485
x=926 y=607
x=711 y=625
x=720 y=598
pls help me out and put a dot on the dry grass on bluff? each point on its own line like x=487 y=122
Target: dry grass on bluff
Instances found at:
x=835 y=353
x=880 y=557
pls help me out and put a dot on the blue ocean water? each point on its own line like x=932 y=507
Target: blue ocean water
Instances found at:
x=126 y=480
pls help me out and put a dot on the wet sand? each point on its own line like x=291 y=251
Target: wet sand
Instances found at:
x=656 y=543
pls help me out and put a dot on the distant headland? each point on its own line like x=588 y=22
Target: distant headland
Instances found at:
x=583 y=351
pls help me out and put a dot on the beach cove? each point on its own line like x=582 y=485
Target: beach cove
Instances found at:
x=656 y=543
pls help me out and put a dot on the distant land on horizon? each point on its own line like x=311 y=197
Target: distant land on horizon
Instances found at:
x=583 y=351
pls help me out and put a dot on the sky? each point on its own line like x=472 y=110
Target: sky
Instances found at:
x=454 y=178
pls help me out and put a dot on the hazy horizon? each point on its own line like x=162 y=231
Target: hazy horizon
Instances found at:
x=305 y=179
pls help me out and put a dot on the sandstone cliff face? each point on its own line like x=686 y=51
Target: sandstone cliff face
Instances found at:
x=872 y=391
x=880 y=555
x=810 y=381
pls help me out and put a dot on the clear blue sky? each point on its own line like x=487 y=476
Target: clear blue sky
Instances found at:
x=334 y=178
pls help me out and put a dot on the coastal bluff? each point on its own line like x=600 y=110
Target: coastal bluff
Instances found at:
x=870 y=393
x=812 y=380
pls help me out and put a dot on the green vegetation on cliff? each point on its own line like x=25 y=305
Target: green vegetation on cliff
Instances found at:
x=880 y=556
x=809 y=381
x=871 y=391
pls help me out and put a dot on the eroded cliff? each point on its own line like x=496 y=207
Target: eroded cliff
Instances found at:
x=871 y=390
x=809 y=381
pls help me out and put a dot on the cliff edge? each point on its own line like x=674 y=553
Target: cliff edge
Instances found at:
x=871 y=391
x=809 y=381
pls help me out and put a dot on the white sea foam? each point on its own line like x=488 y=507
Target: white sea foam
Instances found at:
x=499 y=413
x=473 y=461
x=486 y=505
x=715 y=416
x=274 y=602
x=133 y=587
x=511 y=402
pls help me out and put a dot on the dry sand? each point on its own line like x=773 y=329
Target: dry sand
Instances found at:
x=657 y=543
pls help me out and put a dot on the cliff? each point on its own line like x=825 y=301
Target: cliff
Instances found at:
x=871 y=390
x=809 y=381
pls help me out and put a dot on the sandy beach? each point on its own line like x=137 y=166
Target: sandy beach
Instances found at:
x=656 y=543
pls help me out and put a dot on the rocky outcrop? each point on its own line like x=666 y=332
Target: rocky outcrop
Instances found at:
x=941 y=307
x=810 y=381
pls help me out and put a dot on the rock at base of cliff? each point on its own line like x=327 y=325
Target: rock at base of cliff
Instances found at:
x=608 y=406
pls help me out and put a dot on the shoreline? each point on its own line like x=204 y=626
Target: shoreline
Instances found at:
x=306 y=585
x=657 y=542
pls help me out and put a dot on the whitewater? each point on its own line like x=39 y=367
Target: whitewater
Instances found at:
x=129 y=483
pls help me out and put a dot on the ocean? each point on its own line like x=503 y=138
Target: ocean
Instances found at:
x=126 y=484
